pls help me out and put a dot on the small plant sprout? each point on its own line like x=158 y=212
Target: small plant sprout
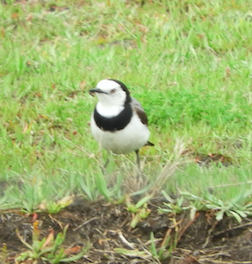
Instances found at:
x=49 y=248
x=139 y=210
x=161 y=253
x=53 y=207
x=4 y=254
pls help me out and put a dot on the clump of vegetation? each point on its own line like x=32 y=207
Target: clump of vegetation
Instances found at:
x=49 y=248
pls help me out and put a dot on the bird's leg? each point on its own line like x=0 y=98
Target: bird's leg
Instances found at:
x=103 y=167
x=107 y=161
x=138 y=159
x=139 y=177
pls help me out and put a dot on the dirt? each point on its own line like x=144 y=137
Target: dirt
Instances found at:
x=106 y=227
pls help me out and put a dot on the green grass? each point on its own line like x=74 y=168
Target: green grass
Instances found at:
x=188 y=62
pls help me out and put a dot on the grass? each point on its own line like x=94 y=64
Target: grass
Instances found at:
x=49 y=248
x=188 y=62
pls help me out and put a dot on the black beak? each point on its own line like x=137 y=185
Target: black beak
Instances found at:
x=96 y=90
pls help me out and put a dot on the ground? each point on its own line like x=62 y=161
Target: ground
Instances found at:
x=106 y=227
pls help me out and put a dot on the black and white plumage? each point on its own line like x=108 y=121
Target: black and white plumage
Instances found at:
x=118 y=123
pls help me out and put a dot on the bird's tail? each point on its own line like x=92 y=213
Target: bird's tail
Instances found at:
x=149 y=144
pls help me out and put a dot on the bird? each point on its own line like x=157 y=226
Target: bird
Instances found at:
x=118 y=122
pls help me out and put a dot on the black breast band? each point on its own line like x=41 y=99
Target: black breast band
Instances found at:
x=114 y=123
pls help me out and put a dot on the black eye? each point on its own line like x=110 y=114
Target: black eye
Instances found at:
x=113 y=91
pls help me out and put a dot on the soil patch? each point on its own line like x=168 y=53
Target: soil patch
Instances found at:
x=107 y=227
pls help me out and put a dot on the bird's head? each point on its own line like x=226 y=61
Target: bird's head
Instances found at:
x=111 y=93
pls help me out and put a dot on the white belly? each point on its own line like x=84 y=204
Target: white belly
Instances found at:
x=134 y=136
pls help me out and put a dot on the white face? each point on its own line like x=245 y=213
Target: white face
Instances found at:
x=113 y=96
